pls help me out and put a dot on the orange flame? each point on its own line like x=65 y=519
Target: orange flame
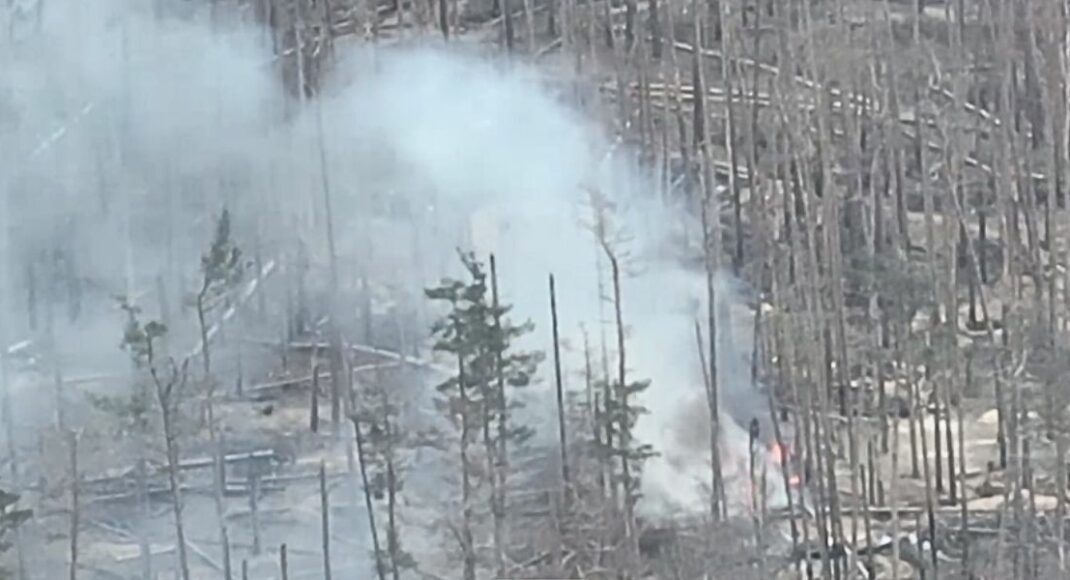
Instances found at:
x=777 y=453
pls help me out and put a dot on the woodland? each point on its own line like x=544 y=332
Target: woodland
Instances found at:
x=236 y=342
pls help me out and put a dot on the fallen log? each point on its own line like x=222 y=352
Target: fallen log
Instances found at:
x=359 y=348
x=202 y=462
x=292 y=382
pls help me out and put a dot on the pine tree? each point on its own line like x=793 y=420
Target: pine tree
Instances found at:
x=221 y=269
x=477 y=333
x=170 y=381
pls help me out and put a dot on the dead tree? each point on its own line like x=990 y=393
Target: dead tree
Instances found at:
x=362 y=459
x=325 y=522
x=565 y=480
x=76 y=508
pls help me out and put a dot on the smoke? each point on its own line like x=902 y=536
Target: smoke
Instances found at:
x=124 y=123
x=128 y=128
x=511 y=170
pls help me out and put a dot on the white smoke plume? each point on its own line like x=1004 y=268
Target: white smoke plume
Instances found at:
x=502 y=154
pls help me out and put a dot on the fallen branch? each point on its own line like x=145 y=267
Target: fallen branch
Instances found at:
x=203 y=555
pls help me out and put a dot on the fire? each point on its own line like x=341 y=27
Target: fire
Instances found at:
x=778 y=453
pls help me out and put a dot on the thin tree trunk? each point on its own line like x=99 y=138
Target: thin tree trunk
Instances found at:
x=529 y=24
x=76 y=508
x=962 y=467
x=565 y=479
x=894 y=499
x=325 y=523
x=498 y=502
x=228 y=566
x=219 y=482
x=253 y=483
x=380 y=569
x=656 y=33
x=624 y=428
x=1060 y=497
x=172 y=476
x=510 y=27
x=392 y=536
x=202 y=322
x=710 y=235
x=937 y=398
x=141 y=491
x=756 y=497
x=57 y=375
x=314 y=404
x=467 y=540
x=952 y=484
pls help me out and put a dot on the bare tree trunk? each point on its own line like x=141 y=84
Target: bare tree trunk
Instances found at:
x=779 y=302
x=444 y=18
x=392 y=536
x=1001 y=399
x=202 y=323
x=380 y=569
x=170 y=440
x=624 y=428
x=314 y=404
x=337 y=364
x=142 y=493
x=529 y=24
x=325 y=523
x=219 y=482
x=656 y=34
x=284 y=564
x=565 y=479
x=76 y=507
x=757 y=495
x=510 y=27
x=57 y=375
x=228 y=565
x=952 y=485
x=501 y=471
x=253 y=483
x=938 y=463
x=467 y=539
x=894 y=498
x=710 y=237
x=962 y=467
x=1060 y=496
